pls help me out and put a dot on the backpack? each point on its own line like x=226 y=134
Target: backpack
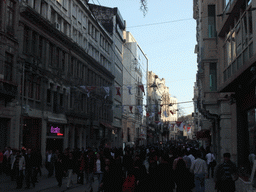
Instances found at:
x=129 y=184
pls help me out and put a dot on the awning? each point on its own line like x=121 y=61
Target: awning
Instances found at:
x=204 y=133
x=107 y=125
x=57 y=120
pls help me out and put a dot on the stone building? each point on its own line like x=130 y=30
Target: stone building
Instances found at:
x=225 y=77
x=55 y=60
x=162 y=110
x=112 y=21
x=134 y=91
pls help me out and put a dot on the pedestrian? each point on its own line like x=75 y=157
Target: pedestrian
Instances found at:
x=211 y=163
x=30 y=170
x=199 y=168
x=18 y=165
x=59 y=169
x=49 y=163
x=70 y=167
x=226 y=175
x=90 y=162
x=192 y=155
x=186 y=159
x=99 y=168
x=165 y=175
x=184 y=179
x=7 y=156
x=80 y=174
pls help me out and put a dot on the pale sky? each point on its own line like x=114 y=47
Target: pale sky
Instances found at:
x=167 y=35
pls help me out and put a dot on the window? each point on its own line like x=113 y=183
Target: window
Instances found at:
x=71 y=99
x=213 y=77
x=57 y=55
x=40 y=47
x=65 y=4
x=8 y=67
x=34 y=44
x=74 y=34
x=211 y=21
x=38 y=85
x=74 y=10
x=30 y=86
x=63 y=56
x=72 y=64
x=10 y=14
x=61 y=99
x=50 y=54
x=26 y=40
x=49 y=96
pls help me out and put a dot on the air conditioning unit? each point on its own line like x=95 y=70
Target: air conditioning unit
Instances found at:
x=57 y=25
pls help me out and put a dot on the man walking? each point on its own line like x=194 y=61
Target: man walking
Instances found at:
x=49 y=163
x=226 y=175
x=30 y=162
x=199 y=168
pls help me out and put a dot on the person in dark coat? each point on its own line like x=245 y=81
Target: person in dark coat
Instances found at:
x=30 y=171
x=59 y=170
x=226 y=174
x=184 y=179
x=165 y=181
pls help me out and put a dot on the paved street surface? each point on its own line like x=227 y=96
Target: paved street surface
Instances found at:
x=50 y=185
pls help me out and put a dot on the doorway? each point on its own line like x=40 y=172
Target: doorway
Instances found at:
x=54 y=144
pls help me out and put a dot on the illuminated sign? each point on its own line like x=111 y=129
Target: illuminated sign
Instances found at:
x=59 y=134
x=55 y=130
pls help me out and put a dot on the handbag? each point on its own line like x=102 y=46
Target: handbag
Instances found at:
x=213 y=163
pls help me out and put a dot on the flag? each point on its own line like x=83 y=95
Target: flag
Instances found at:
x=171 y=112
x=148 y=114
x=129 y=90
x=159 y=113
x=165 y=114
x=161 y=105
x=118 y=91
x=107 y=91
x=89 y=89
x=130 y=107
x=189 y=129
x=142 y=88
x=180 y=125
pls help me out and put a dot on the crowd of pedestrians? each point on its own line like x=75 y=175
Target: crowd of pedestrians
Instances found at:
x=143 y=168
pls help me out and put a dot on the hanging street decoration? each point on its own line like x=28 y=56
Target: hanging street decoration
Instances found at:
x=107 y=91
x=142 y=88
x=130 y=107
x=118 y=91
x=129 y=90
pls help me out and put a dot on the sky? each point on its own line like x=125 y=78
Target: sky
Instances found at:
x=167 y=35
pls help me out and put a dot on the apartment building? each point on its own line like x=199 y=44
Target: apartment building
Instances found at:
x=111 y=19
x=134 y=91
x=56 y=59
x=225 y=77
x=162 y=110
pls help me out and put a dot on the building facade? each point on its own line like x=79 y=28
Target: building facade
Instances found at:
x=56 y=68
x=162 y=111
x=134 y=91
x=111 y=19
x=225 y=77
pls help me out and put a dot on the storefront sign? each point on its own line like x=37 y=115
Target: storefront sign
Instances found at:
x=55 y=129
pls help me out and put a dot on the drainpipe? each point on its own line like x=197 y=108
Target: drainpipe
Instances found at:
x=215 y=119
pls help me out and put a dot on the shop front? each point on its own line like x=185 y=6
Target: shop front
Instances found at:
x=55 y=137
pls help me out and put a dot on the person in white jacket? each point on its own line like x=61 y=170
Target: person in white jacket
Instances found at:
x=18 y=164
